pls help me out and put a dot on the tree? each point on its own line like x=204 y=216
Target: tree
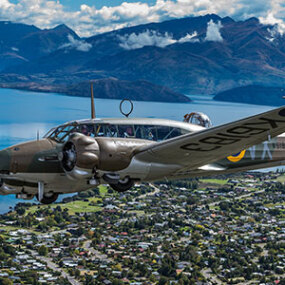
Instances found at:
x=77 y=273
x=20 y=211
x=5 y=281
x=168 y=266
x=88 y=280
x=43 y=251
x=163 y=281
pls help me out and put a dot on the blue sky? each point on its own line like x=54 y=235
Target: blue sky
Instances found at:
x=90 y=17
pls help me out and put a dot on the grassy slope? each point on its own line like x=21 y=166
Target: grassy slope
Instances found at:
x=77 y=206
x=214 y=181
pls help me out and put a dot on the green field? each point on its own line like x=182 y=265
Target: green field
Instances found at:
x=15 y=228
x=103 y=190
x=137 y=212
x=73 y=207
x=281 y=178
x=77 y=206
x=214 y=181
x=271 y=205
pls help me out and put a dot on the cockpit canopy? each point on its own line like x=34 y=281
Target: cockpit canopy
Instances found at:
x=126 y=130
x=199 y=119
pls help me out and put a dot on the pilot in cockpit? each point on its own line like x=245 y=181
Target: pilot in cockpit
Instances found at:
x=128 y=132
x=86 y=130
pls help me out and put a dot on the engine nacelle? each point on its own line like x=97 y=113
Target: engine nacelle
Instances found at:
x=82 y=154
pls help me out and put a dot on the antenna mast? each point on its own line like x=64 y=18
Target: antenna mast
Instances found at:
x=92 y=103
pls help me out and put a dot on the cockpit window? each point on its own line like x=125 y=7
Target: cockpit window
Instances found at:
x=126 y=131
x=86 y=129
x=147 y=132
x=61 y=133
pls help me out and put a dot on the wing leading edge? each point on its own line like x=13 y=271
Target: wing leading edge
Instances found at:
x=197 y=149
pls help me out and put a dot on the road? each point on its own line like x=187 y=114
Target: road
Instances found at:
x=54 y=267
x=96 y=254
x=237 y=198
x=156 y=190
x=207 y=274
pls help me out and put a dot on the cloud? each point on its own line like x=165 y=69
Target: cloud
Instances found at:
x=147 y=38
x=77 y=44
x=152 y=38
x=279 y=25
x=88 y=20
x=273 y=33
x=275 y=16
x=191 y=38
x=213 y=33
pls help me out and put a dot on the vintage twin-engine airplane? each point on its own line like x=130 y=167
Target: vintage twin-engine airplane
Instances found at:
x=78 y=155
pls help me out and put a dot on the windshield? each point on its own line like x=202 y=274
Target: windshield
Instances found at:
x=61 y=133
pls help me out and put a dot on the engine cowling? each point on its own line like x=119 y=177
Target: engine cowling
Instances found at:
x=79 y=156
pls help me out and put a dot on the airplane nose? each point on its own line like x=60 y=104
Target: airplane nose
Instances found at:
x=5 y=161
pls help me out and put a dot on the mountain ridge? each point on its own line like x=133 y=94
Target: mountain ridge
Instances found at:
x=180 y=54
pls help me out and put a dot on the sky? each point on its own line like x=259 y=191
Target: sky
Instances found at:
x=90 y=17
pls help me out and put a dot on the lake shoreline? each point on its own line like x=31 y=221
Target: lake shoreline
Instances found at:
x=108 y=88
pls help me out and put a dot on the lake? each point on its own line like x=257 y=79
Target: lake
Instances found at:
x=23 y=114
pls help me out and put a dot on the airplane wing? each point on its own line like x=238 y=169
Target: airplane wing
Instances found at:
x=195 y=150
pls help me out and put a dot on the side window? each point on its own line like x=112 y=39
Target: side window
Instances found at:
x=126 y=131
x=162 y=133
x=149 y=132
x=111 y=131
x=87 y=130
x=174 y=132
x=138 y=132
x=100 y=130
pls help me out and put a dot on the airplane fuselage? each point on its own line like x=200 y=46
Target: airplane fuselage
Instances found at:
x=93 y=158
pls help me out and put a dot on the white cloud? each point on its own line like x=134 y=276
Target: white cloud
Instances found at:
x=88 y=20
x=77 y=44
x=273 y=33
x=152 y=38
x=275 y=16
x=191 y=38
x=147 y=38
x=5 y=4
x=213 y=33
x=279 y=25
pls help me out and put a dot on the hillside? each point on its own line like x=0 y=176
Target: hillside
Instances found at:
x=21 y=44
x=108 y=88
x=254 y=94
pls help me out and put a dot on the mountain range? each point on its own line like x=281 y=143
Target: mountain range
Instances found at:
x=198 y=55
